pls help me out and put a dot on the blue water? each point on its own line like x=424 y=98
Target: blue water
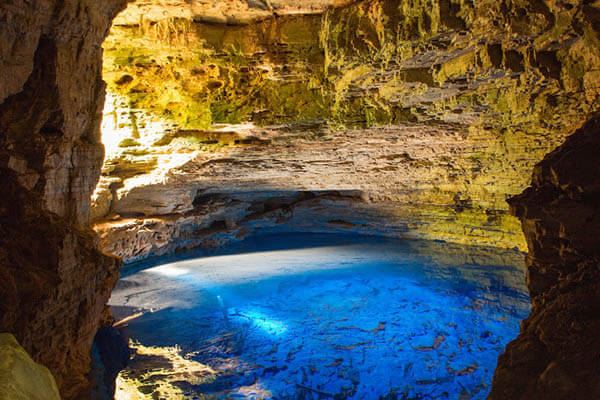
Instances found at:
x=318 y=316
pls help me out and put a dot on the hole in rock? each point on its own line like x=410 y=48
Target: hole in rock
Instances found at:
x=375 y=142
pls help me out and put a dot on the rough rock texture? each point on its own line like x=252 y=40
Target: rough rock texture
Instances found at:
x=434 y=112
x=54 y=283
x=317 y=180
x=233 y=12
x=556 y=355
x=21 y=378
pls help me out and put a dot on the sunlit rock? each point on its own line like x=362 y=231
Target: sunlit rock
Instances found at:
x=411 y=119
x=161 y=369
x=232 y=12
x=435 y=113
x=21 y=378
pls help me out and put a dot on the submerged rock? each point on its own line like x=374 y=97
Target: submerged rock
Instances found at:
x=304 y=316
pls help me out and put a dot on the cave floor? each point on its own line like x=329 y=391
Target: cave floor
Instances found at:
x=320 y=316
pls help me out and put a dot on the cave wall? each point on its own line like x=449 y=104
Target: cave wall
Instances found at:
x=556 y=354
x=443 y=107
x=231 y=12
x=54 y=283
x=20 y=376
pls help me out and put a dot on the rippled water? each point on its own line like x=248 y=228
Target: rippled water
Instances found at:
x=318 y=316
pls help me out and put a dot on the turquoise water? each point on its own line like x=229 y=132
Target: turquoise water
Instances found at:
x=318 y=316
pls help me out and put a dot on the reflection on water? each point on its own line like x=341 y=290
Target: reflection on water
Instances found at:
x=321 y=316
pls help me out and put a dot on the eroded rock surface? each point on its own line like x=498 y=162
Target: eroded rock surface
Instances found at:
x=233 y=12
x=54 y=283
x=317 y=180
x=520 y=75
x=556 y=355
x=431 y=113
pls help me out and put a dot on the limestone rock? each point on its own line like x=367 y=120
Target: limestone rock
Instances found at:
x=435 y=112
x=516 y=76
x=233 y=12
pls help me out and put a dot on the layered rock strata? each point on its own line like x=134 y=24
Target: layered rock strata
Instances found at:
x=232 y=12
x=54 y=283
x=432 y=112
x=556 y=355
x=320 y=181
x=433 y=67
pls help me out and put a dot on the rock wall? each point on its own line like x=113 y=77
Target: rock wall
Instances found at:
x=556 y=355
x=231 y=12
x=54 y=283
x=435 y=111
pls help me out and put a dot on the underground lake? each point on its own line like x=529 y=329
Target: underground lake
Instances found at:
x=321 y=316
x=315 y=199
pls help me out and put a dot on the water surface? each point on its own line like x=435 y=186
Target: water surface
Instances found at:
x=304 y=316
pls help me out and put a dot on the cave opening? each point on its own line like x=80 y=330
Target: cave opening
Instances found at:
x=398 y=129
x=330 y=199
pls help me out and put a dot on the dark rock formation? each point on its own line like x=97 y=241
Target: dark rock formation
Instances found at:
x=111 y=355
x=54 y=283
x=557 y=353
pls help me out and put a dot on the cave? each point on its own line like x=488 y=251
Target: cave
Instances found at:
x=326 y=199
